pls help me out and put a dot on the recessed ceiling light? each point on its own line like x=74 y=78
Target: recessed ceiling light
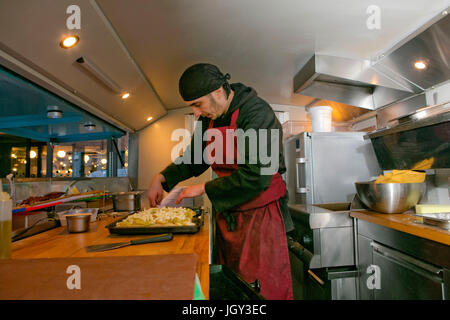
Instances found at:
x=420 y=65
x=89 y=126
x=125 y=95
x=69 y=42
x=149 y=118
x=61 y=153
x=53 y=112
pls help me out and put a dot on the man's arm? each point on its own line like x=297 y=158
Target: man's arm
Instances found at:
x=155 y=191
x=175 y=173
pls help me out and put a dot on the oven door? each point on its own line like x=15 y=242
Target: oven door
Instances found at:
x=319 y=284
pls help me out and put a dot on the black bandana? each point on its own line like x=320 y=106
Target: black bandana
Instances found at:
x=199 y=80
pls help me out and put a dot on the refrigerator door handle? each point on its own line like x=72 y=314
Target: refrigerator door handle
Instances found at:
x=299 y=189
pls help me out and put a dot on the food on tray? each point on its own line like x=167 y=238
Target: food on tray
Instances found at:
x=159 y=217
x=49 y=196
x=401 y=176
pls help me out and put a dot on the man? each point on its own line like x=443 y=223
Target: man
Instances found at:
x=252 y=216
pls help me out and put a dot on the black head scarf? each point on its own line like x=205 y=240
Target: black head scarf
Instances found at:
x=200 y=79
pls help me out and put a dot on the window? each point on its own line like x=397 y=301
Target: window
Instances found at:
x=80 y=159
x=90 y=158
x=22 y=157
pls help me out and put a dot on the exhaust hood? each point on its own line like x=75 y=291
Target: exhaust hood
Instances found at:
x=349 y=81
x=374 y=84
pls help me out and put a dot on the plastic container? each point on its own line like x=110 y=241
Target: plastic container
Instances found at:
x=5 y=225
x=293 y=127
x=61 y=215
x=320 y=118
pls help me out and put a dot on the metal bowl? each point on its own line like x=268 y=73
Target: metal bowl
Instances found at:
x=390 y=197
x=78 y=222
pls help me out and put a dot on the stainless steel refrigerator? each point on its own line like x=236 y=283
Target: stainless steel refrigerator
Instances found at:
x=323 y=166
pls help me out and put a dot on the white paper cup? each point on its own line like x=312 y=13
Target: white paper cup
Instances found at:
x=320 y=118
x=5 y=229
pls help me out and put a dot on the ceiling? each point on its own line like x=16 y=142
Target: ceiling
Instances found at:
x=144 y=46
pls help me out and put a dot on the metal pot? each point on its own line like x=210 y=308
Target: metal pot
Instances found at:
x=127 y=201
x=78 y=222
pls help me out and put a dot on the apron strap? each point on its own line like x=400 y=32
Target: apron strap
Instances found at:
x=234 y=117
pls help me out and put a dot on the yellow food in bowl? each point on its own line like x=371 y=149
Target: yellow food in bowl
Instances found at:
x=401 y=176
x=424 y=164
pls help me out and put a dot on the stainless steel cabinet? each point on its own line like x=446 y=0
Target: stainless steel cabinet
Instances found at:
x=364 y=261
x=406 y=278
x=389 y=270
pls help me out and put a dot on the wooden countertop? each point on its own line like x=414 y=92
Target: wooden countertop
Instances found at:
x=58 y=243
x=406 y=223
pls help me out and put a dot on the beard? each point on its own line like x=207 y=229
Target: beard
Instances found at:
x=216 y=109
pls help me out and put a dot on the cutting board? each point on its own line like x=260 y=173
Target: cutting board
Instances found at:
x=155 y=277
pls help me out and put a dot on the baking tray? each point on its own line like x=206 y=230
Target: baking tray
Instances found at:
x=198 y=220
x=441 y=220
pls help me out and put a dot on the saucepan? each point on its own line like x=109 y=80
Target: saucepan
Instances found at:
x=127 y=201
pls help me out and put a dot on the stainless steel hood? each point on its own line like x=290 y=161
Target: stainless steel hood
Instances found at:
x=374 y=84
x=349 y=81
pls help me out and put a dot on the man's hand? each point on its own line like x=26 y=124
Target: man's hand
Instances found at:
x=191 y=192
x=155 y=191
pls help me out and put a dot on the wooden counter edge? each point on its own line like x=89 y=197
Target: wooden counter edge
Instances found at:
x=422 y=231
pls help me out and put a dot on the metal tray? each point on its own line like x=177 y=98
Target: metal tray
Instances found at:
x=441 y=220
x=198 y=220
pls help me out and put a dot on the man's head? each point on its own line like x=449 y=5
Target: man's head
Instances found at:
x=206 y=90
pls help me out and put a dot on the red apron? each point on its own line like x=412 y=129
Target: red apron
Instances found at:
x=257 y=248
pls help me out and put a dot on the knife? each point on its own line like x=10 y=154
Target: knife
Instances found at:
x=111 y=246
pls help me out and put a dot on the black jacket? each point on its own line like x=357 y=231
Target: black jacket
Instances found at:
x=245 y=183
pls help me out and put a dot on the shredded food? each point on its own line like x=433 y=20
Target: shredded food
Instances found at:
x=159 y=216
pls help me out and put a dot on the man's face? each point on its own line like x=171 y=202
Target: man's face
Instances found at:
x=210 y=106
